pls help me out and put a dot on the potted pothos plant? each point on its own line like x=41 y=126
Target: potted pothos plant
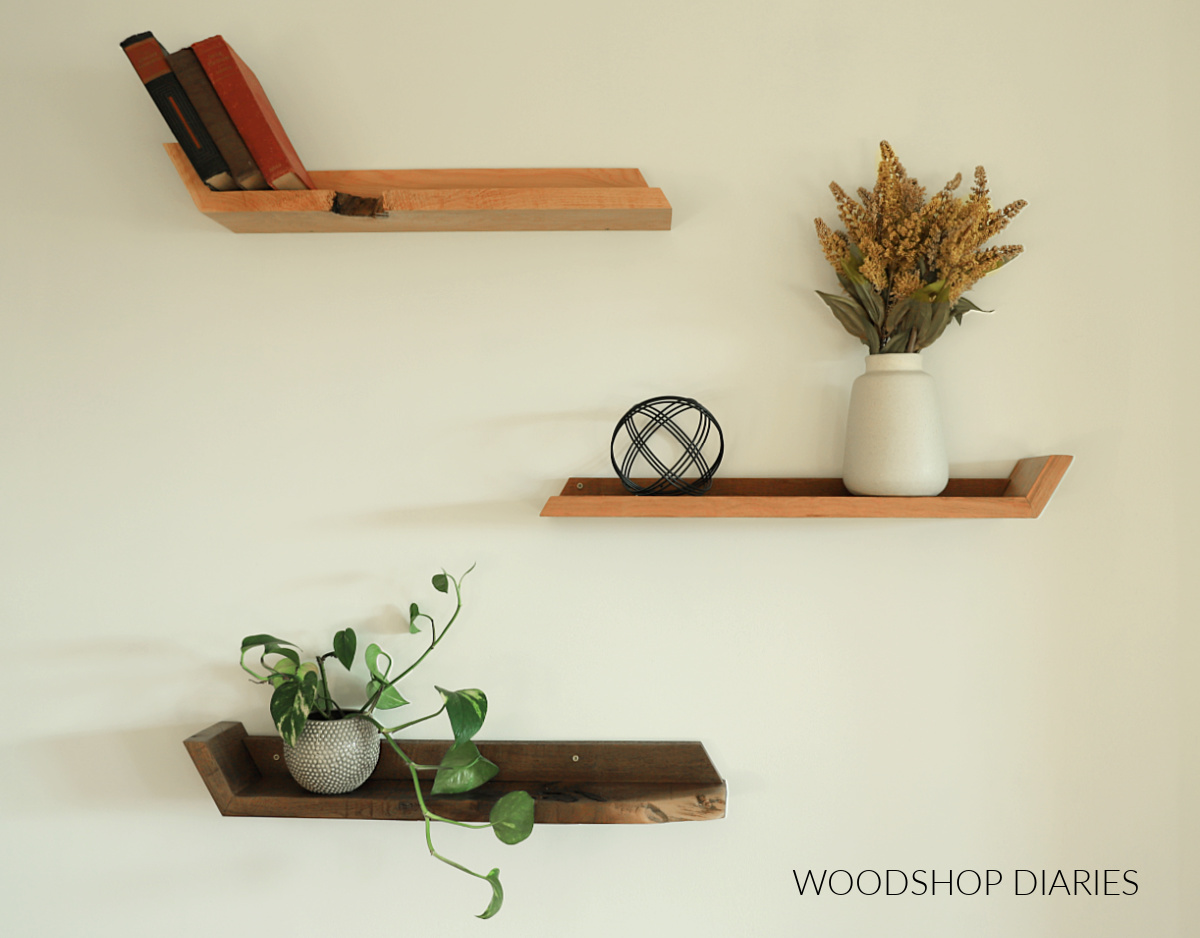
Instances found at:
x=904 y=263
x=303 y=708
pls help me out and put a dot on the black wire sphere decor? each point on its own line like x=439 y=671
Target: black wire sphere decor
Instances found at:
x=687 y=433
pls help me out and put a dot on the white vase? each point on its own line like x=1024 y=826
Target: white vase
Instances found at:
x=894 y=443
x=332 y=757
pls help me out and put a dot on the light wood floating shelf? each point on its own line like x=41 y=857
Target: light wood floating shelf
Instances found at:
x=1022 y=495
x=439 y=200
x=572 y=783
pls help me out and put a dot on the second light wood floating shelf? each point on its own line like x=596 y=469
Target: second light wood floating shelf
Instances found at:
x=571 y=783
x=439 y=200
x=1023 y=494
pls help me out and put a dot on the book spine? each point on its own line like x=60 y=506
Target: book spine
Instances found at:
x=216 y=120
x=252 y=114
x=149 y=60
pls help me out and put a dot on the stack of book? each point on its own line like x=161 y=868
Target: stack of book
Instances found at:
x=219 y=113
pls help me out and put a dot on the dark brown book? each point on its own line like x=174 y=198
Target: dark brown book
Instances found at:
x=212 y=112
x=149 y=60
x=256 y=121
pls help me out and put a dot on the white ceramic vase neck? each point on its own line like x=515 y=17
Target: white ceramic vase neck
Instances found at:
x=894 y=443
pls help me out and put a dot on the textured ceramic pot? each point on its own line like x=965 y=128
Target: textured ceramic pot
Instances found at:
x=894 y=443
x=332 y=757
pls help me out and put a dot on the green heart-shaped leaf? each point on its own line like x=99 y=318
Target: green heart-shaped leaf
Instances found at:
x=288 y=654
x=345 y=643
x=286 y=666
x=441 y=583
x=390 y=699
x=372 y=656
x=251 y=640
x=512 y=817
x=463 y=768
x=497 y=895
x=292 y=701
x=467 y=709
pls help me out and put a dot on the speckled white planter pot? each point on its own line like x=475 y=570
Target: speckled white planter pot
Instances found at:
x=894 y=443
x=332 y=757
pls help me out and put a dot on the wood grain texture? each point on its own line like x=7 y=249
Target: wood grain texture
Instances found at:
x=374 y=182
x=221 y=758
x=241 y=201
x=1023 y=495
x=445 y=200
x=1036 y=479
x=571 y=782
x=658 y=762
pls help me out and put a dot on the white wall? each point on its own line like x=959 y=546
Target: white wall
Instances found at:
x=206 y=435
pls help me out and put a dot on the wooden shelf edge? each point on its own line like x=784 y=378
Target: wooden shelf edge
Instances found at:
x=571 y=782
x=1024 y=494
x=442 y=200
x=1035 y=479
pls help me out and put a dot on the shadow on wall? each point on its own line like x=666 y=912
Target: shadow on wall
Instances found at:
x=98 y=744
x=98 y=770
x=588 y=430
x=473 y=513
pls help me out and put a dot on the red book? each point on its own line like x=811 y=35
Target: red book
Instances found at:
x=216 y=121
x=239 y=90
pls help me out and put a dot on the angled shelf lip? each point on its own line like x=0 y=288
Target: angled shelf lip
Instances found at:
x=441 y=200
x=1024 y=494
x=571 y=782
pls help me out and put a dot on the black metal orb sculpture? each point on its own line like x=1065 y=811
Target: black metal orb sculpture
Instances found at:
x=687 y=427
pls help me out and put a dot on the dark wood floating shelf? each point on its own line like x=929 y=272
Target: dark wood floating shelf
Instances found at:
x=1023 y=494
x=572 y=783
x=439 y=200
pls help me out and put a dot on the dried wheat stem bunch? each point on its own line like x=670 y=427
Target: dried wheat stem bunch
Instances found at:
x=905 y=262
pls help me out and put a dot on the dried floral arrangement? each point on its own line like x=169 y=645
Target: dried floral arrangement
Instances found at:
x=905 y=262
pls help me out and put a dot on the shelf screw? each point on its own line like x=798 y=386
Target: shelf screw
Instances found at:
x=574 y=758
x=578 y=485
x=275 y=757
